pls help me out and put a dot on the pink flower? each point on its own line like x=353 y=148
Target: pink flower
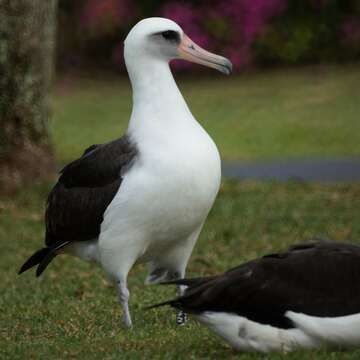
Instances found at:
x=230 y=27
x=248 y=20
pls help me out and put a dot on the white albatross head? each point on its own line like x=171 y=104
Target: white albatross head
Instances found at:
x=163 y=40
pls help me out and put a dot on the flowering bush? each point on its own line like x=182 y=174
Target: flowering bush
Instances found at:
x=247 y=31
x=229 y=27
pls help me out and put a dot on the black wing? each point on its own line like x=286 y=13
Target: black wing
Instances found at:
x=84 y=190
x=318 y=279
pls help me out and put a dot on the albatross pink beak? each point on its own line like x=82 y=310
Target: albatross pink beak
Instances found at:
x=188 y=50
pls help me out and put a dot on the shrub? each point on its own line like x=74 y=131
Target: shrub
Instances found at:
x=247 y=31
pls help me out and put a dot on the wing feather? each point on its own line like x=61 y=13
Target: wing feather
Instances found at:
x=85 y=189
x=317 y=279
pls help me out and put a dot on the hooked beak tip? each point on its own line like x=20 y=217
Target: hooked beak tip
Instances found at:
x=188 y=50
x=227 y=67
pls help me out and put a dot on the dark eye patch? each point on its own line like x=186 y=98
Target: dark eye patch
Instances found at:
x=171 y=35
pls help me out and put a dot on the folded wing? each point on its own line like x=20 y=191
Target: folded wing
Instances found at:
x=317 y=279
x=77 y=203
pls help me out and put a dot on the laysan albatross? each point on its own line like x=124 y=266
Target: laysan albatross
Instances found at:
x=306 y=297
x=142 y=198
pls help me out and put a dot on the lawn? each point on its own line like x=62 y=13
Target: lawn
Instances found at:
x=267 y=115
x=72 y=312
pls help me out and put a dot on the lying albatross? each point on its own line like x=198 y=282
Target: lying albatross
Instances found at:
x=142 y=198
x=305 y=297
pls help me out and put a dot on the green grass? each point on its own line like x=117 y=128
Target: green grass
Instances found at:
x=73 y=313
x=274 y=114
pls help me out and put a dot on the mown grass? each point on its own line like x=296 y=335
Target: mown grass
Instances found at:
x=73 y=313
x=273 y=114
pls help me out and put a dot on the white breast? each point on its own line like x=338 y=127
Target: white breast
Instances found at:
x=168 y=192
x=178 y=176
x=166 y=195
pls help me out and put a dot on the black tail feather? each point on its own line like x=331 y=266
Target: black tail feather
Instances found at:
x=43 y=258
x=188 y=282
x=34 y=259
x=181 y=302
x=45 y=262
x=173 y=303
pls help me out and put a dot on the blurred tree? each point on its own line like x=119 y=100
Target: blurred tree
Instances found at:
x=27 y=30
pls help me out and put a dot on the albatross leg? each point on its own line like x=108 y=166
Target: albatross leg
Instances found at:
x=123 y=296
x=159 y=274
x=181 y=316
x=178 y=257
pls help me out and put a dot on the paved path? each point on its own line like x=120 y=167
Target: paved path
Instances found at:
x=312 y=170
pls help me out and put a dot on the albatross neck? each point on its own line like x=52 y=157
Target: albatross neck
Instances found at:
x=155 y=93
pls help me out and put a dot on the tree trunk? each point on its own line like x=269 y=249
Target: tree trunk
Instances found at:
x=27 y=36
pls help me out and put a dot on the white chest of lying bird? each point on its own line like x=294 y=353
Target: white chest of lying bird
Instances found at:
x=143 y=197
x=304 y=298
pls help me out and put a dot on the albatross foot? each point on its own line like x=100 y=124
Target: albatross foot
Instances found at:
x=181 y=318
x=126 y=321
x=123 y=296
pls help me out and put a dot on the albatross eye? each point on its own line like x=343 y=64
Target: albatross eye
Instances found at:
x=171 y=35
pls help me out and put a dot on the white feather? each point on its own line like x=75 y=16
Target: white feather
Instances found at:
x=165 y=197
x=341 y=331
x=309 y=332
x=248 y=336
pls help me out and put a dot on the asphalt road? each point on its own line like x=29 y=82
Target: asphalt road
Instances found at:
x=309 y=170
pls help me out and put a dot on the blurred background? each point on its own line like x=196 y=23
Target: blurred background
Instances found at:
x=252 y=33
x=294 y=60
x=294 y=93
x=290 y=113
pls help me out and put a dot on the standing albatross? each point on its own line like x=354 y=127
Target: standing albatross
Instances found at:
x=142 y=198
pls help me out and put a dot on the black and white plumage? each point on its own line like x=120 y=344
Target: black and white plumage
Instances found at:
x=77 y=203
x=144 y=197
x=305 y=297
x=86 y=187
